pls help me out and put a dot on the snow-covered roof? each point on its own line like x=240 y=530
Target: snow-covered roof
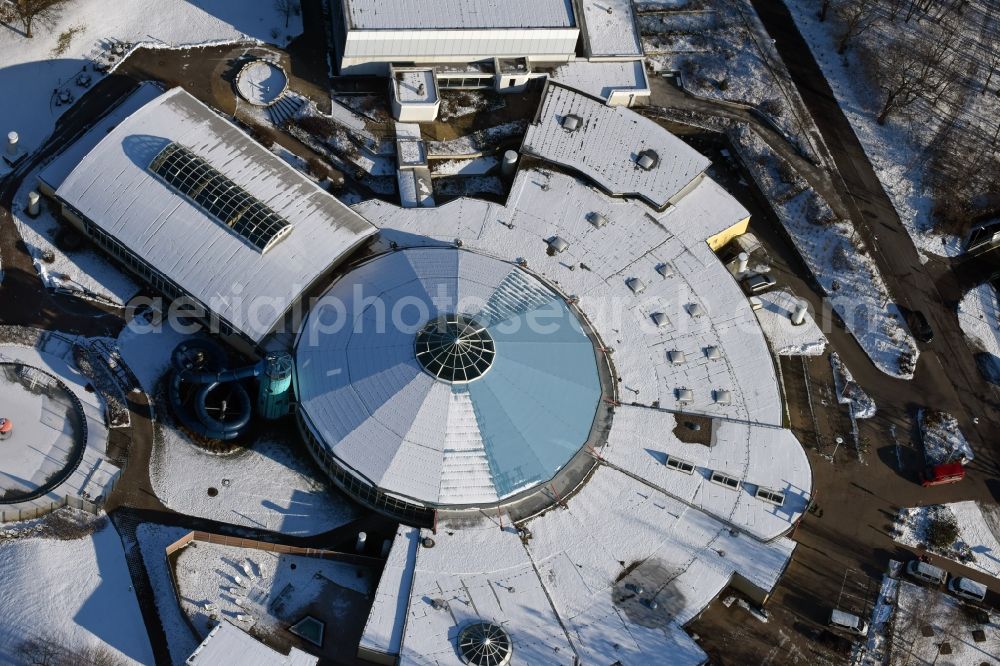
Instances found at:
x=384 y=629
x=756 y=455
x=633 y=243
x=114 y=188
x=601 y=78
x=414 y=86
x=515 y=406
x=608 y=145
x=564 y=595
x=228 y=645
x=56 y=171
x=609 y=28
x=457 y=14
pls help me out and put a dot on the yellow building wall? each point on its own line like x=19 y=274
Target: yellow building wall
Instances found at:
x=719 y=240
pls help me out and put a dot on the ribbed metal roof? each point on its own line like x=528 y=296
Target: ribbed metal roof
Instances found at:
x=431 y=432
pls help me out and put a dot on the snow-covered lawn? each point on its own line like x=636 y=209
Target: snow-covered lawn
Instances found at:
x=152 y=541
x=849 y=392
x=723 y=52
x=897 y=160
x=976 y=547
x=75 y=594
x=979 y=317
x=268 y=485
x=278 y=591
x=84 y=270
x=33 y=69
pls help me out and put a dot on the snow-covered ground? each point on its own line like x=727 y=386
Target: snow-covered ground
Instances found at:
x=849 y=392
x=85 y=270
x=942 y=439
x=976 y=547
x=35 y=68
x=785 y=338
x=951 y=624
x=277 y=592
x=74 y=594
x=268 y=485
x=837 y=258
x=724 y=53
x=152 y=541
x=979 y=317
x=896 y=158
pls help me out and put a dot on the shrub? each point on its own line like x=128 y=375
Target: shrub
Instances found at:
x=942 y=530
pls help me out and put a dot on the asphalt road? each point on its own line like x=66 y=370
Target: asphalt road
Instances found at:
x=947 y=377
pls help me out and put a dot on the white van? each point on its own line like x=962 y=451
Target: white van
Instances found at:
x=848 y=622
x=967 y=589
x=927 y=573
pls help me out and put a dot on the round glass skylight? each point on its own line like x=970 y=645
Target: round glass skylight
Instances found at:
x=484 y=644
x=455 y=349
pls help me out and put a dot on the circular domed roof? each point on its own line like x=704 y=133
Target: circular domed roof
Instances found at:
x=484 y=644
x=447 y=377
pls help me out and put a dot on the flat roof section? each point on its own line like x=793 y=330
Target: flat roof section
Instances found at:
x=602 y=78
x=415 y=86
x=457 y=14
x=609 y=28
x=114 y=187
x=623 y=152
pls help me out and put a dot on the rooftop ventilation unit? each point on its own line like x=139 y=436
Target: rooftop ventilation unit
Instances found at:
x=647 y=159
x=675 y=357
x=598 y=219
x=695 y=310
x=557 y=244
x=685 y=396
x=636 y=285
x=571 y=122
x=660 y=319
x=665 y=269
x=723 y=396
x=713 y=353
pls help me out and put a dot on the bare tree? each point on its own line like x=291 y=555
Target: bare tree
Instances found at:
x=30 y=12
x=287 y=8
x=907 y=70
x=992 y=64
x=858 y=16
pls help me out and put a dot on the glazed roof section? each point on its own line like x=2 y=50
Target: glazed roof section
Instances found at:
x=606 y=144
x=113 y=187
x=458 y=14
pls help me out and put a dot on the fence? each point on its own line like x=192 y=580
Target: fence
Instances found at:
x=37 y=510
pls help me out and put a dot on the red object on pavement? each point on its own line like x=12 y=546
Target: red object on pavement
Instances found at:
x=937 y=475
x=6 y=425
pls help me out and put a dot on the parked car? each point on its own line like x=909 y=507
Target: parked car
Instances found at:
x=758 y=283
x=936 y=475
x=967 y=589
x=848 y=622
x=928 y=573
x=919 y=326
